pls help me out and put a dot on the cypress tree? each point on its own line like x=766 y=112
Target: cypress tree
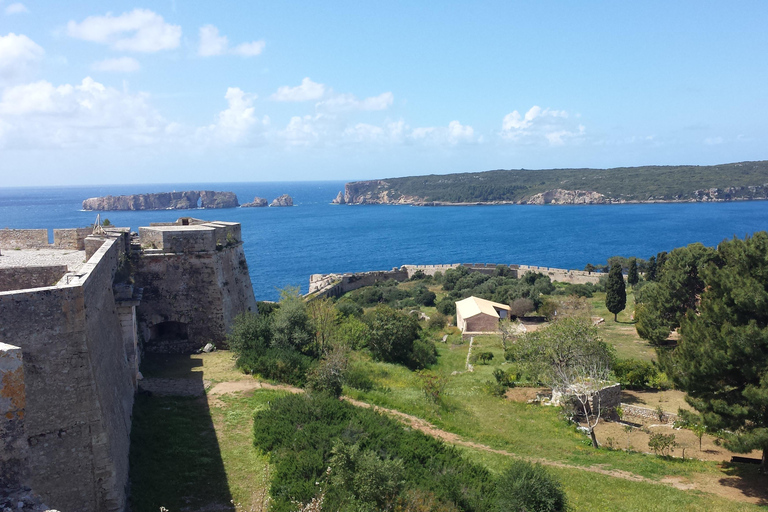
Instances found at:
x=615 y=292
x=632 y=276
x=650 y=274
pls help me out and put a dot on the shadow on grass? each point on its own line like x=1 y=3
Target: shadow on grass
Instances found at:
x=175 y=460
x=748 y=481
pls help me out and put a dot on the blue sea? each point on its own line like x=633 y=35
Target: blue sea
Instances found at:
x=285 y=245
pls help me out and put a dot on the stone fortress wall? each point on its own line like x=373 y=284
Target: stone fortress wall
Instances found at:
x=77 y=382
x=335 y=285
x=70 y=350
x=195 y=281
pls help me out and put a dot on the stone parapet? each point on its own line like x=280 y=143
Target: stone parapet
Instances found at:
x=14 y=449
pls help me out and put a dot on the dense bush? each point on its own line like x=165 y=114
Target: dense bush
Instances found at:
x=446 y=306
x=529 y=487
x=303 y=433
x=347 y=307
x=391 y=334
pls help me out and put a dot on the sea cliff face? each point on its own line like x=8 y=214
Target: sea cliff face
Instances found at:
x=560 y=196
x=164 y=201
x=375 y=192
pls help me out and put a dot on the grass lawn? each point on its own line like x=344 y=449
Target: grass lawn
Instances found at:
x=196 y=453
x=622 y=334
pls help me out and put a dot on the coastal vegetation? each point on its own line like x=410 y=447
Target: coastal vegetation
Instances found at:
x=744 y=180
x=445 y=437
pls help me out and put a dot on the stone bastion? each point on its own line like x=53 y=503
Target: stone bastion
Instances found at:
x=75 y=316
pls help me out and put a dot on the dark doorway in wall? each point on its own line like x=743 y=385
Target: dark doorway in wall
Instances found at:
x=168 y=331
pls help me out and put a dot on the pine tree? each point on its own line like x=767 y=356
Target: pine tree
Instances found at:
x=721 y=360
x=615 y=292
x=632 y=276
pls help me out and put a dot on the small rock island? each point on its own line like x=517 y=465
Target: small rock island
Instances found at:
x=258 y=202
x=164 y=201
x=283 y=200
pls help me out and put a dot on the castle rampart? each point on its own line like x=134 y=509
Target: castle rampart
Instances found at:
x=79 y=386
x=335 y=285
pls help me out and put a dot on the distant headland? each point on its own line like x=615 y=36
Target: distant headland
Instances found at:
x=649 y=184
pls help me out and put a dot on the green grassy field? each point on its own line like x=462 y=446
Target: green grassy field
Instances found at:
x=197 y=453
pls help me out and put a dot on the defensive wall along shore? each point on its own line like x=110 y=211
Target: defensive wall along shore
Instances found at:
x=335 y=285
x=75 y=319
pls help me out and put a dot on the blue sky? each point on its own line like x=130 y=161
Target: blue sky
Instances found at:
x=255 y=91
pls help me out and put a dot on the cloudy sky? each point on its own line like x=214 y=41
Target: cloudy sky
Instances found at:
x=174 y=91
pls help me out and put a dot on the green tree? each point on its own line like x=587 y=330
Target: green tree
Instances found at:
x=650 y=274
x=391 y=334
x=291 y=325
x=324 y=316
x=679 y=284
x=529 y=487
x=721 y=360
x=615 y=292
x=632 y=276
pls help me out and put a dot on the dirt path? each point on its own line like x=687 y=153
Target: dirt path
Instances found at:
x=731 y=487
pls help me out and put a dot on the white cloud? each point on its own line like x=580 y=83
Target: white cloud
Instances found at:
x=308 y=90
x=346 y=102
x=713 y=141
x=211 y=44
x=16 y=8
x=88 y=114
x=390 y=133
x=236 y=124
x=140 y=30
x=18 y=54
x=249 y=49
x=540 y=125
x=455 y=133
x=119 y=65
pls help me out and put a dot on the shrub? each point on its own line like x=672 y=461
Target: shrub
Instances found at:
x=249 y=339
x=633 y=373
x=433 y=385
x=347 y=307
x=504 y=378
x=521 y=307
x=424 y=354
x=392 y=334
x=284 y=365
x=529 y=487
x=353 y=333
x=446 y=306
x=423 y=296
x=437 y=321
x=662 y=444
x=494 y=388
x=485 y=357
x=329 y=374
x=358 y=378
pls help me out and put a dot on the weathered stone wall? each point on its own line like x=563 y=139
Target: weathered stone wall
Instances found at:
x=21 y=278
x=644 y=412
x=78 y=386
x=334 y=285
x=562 y=275
x=23 y=238
x=71 y=238
x=201 y=291
x=481 y=323
x=13 y=451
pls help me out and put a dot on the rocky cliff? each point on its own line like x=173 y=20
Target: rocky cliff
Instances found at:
x=375 y=192
x=164 y=201
x=560 y=196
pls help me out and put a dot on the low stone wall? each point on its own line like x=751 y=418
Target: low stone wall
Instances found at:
x=71 y=238
x=21 y=278
x=335 y=285
x=563 y=275
x=609 y=398
x=23 y=238
x=646 y=413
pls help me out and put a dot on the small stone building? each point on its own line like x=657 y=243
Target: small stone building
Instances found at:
x=476 y=315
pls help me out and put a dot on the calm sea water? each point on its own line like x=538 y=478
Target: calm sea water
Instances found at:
x=285 y=245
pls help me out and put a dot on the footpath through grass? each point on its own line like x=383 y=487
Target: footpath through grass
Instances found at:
x=196 y=453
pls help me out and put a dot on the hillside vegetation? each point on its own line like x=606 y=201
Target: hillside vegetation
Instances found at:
x=736 y=181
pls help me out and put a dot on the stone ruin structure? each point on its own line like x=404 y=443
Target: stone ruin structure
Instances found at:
x=75 y=317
